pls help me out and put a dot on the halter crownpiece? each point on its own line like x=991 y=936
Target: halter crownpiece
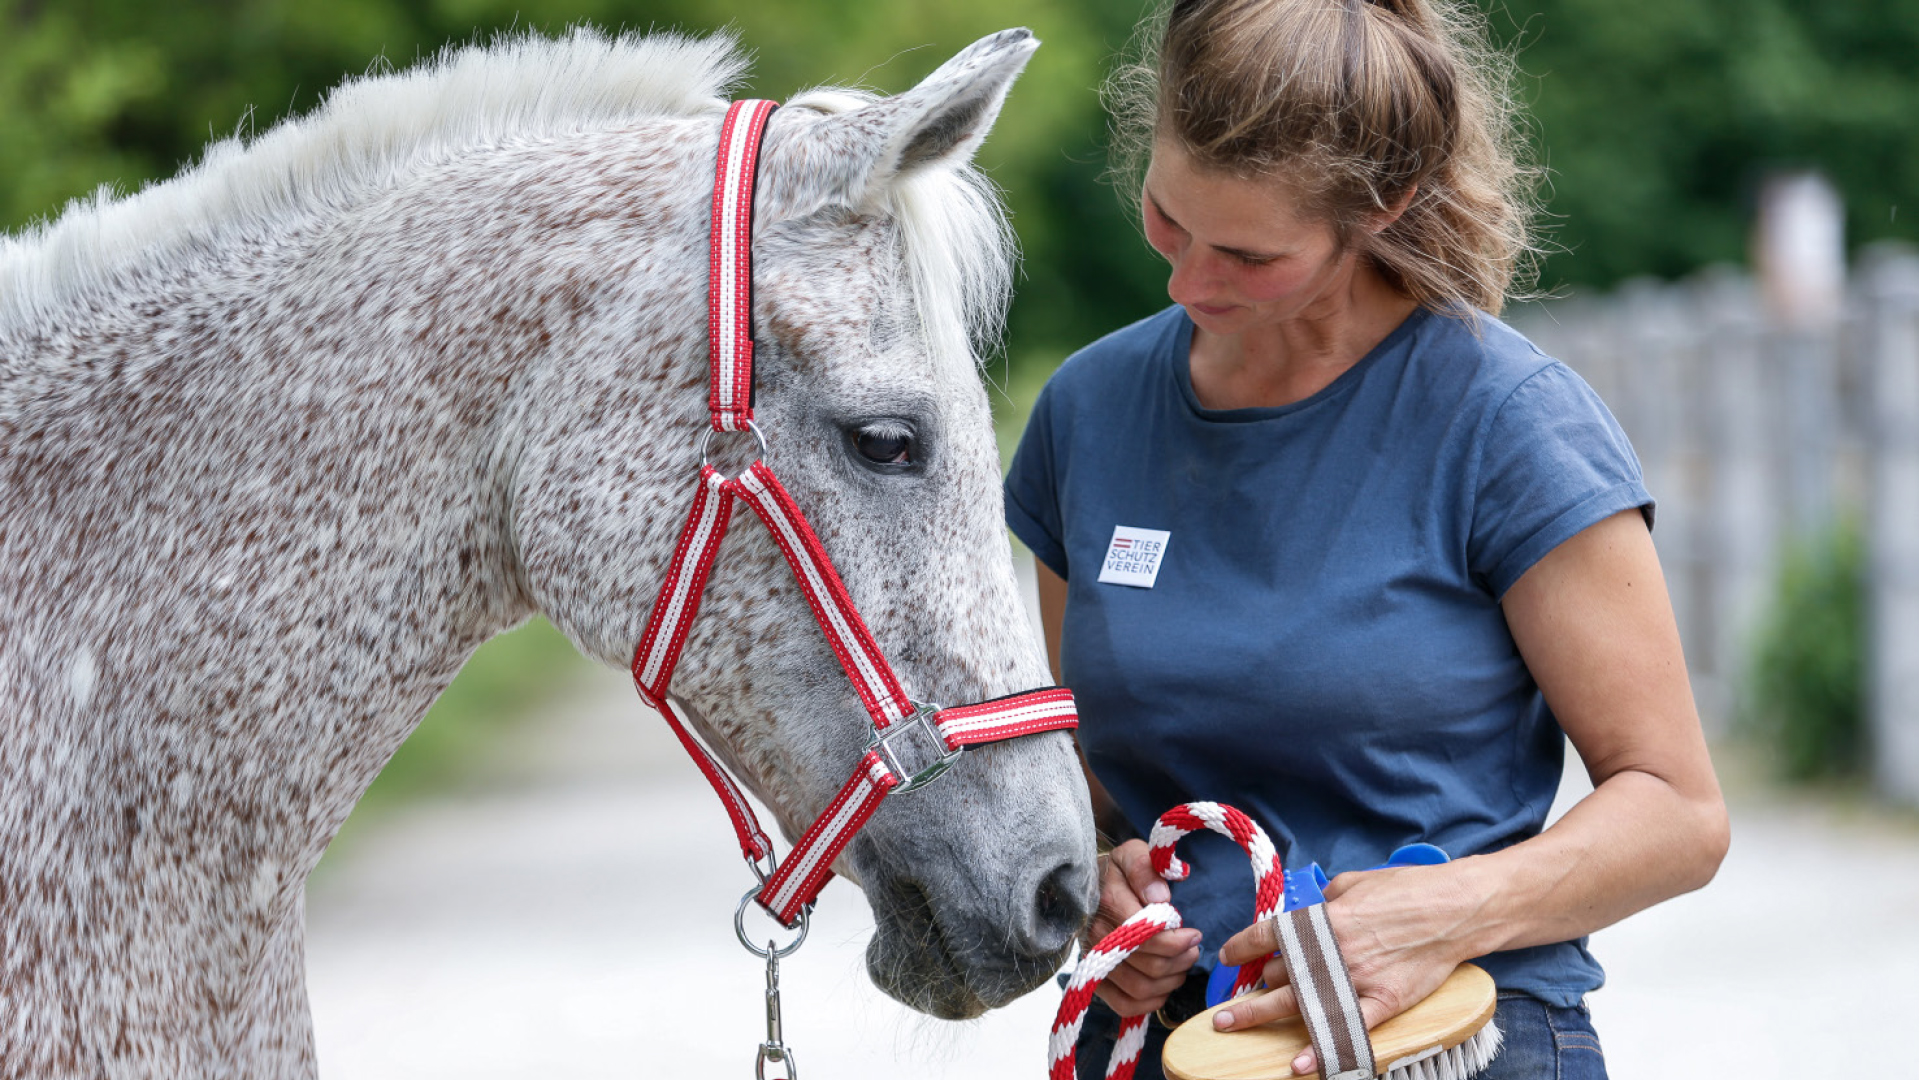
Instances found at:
x=788 y=888
x=730 y=265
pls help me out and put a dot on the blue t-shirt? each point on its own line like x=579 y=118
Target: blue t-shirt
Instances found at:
x=1323 y=644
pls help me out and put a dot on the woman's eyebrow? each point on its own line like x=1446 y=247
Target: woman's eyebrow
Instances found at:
x=1238 y=253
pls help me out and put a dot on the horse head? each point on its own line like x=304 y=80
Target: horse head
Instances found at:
x=880 y=256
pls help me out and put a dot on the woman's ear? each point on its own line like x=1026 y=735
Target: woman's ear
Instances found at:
x=1380 y=219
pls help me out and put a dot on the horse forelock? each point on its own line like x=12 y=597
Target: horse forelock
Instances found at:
x=364 y=133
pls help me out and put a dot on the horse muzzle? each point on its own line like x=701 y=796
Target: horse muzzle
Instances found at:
x=953 y=939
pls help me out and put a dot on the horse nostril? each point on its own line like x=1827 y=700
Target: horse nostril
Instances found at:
x=1059 y=907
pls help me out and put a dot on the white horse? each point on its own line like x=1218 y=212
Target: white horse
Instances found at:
x=282 y=440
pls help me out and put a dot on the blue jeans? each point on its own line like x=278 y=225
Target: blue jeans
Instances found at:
x=1545 y=1042
x=1542 y=1042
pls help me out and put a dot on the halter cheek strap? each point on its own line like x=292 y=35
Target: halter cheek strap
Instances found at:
x=910 y=744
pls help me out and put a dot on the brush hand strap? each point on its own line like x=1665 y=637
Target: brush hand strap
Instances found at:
x=1328 y=1003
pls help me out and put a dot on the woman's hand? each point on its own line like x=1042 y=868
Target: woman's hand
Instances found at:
x=1401 y=931
x=1156 y=969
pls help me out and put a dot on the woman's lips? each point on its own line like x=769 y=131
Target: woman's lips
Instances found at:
x=1209 y=309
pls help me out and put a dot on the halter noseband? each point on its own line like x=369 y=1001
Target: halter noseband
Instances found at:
x=787 y=889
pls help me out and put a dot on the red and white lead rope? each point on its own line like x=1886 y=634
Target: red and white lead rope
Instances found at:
x=790 y=888
x=1269 y=883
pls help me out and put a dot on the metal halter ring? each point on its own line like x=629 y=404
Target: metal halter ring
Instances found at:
x=706 y=440
x=768 y=951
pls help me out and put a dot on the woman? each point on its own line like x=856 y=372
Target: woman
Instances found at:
x=1328 y=542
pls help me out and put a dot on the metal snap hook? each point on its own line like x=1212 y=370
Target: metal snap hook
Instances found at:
x=775 y=1049
x=783 y=1057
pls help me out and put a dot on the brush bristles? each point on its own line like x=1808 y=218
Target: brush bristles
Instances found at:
x=1462 y=1062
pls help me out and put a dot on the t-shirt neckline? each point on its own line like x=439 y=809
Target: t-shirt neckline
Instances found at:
x=1183 y=374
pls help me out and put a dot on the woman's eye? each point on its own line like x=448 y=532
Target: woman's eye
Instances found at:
x=885 y=445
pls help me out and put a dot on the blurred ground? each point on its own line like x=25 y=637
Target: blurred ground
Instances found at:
x=571 y=918
x=576 y=921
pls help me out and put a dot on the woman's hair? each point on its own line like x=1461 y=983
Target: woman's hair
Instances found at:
x=1350 y=103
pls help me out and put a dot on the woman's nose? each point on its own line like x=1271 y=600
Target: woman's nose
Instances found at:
x=1190 y=281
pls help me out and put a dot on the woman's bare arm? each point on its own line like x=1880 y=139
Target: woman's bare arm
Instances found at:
x=1593 y=622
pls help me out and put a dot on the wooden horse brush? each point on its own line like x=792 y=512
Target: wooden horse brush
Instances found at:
x=1450 y=1035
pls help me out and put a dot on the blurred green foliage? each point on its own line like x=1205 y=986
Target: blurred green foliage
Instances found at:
x=1805 y=704
x=506 y=678
x=1657 y=117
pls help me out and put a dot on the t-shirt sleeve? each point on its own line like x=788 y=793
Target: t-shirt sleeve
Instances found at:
x=1553 y=461
x=1033 y=490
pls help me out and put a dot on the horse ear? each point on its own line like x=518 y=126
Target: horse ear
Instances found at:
x=942 y=121
x=851 y=157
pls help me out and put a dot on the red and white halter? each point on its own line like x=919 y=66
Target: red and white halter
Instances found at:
x=787 y=890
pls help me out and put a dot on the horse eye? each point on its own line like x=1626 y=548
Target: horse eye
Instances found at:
x=885 y=444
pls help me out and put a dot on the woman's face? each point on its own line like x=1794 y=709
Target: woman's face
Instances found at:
x=1242 y=254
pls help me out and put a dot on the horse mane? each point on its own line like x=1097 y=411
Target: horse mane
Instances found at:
x=958 y=247
x=366 y=130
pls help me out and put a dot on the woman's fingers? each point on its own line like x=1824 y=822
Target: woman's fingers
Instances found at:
x=1133 y=860
x=1127 y=884
x=1143 y=984
x=1281 y=1003
x=1156 y=969
x=1254 y=1010
x=1377 y=1005
x=1159 y=965
x=1125 y=1004
x=1258 y=1008
x=1251 y=944
x=1167 y=945
x=1117 y=898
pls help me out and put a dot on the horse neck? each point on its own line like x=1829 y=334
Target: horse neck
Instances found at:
x=272 y=491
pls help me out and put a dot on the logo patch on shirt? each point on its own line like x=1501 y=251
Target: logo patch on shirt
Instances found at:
x=1133 y=556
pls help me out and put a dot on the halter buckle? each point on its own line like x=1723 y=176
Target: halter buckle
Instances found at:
x=886 y=741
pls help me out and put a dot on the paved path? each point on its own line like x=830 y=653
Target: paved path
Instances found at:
x=577 y=923
x=574 y=921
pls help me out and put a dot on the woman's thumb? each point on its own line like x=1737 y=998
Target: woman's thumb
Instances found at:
x=1137 y=865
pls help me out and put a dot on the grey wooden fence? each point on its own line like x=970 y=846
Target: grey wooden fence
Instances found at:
x=1755 y=434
